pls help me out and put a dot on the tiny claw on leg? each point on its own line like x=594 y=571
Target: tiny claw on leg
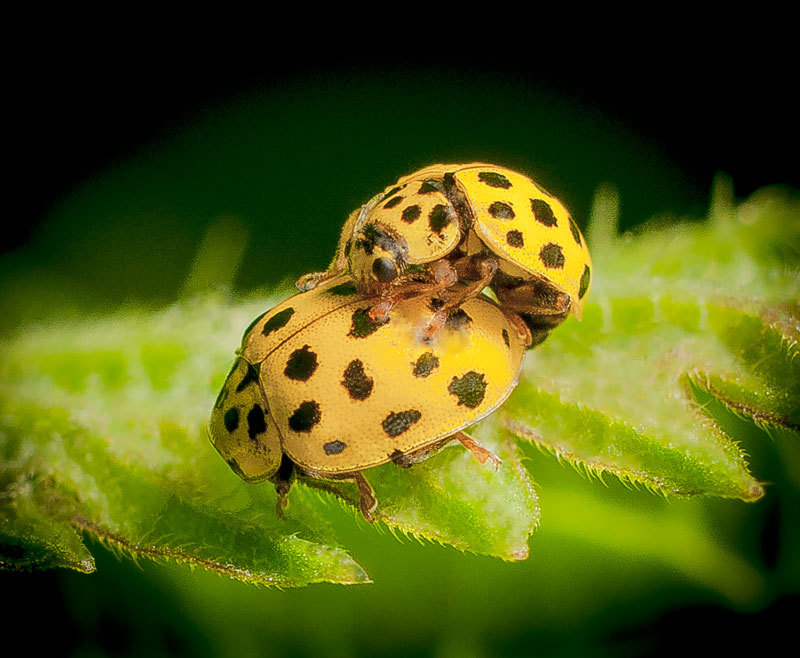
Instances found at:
x=309 y=281
x=478 y=451
x=380 y=311
x=312 y=280
x=434 y=324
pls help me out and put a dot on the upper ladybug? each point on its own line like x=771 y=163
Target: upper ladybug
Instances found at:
x=467 y=222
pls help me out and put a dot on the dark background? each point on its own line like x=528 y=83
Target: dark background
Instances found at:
x=699 y=106
x=123 y=152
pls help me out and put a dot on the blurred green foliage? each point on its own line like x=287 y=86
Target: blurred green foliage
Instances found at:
x=611 y=568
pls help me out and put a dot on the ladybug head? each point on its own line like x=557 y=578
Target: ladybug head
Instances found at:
x=378 y=254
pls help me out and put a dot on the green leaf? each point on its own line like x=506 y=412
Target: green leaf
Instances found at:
x=103 y=419
x=103 y=429
x=766 y=346
x=671 y=313
x=107 y=420
x=452 y=499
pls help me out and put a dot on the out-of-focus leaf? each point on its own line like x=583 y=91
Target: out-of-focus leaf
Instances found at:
x=103 y=428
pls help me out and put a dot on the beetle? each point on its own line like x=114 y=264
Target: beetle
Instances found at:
x=474 y=223
x=321 y=389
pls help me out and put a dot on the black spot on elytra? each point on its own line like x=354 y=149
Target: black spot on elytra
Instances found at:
x=458 y=319
x=343 y=289
x=392 y=192
x=362 y=325
x=429 y=186
x=373 y=235
x=347 y=247
x=586 y=277
x=439 y=218
x=250 y=377
x=305 y=416
x=493 y=179
x=543 y=213
x=552 y=256
x=356 y=381
x=515 y=239
x=396 y=423
x=576 y=234
x=256 y=423
x=435 y=303
x=334 y=447
x=501 y=210
x=469 y=389
x=391 y=203
x=426 y=364
x=411 y=214
x=301 y=364
x=231 y=419
x=505 y=338
x=277 y=321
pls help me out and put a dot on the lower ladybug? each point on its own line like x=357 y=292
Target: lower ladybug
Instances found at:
x=321 y=389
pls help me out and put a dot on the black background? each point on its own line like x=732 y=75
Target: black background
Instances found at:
x=77 y=108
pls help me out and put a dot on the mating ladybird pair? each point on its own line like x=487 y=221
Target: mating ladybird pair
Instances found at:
x=394 y=351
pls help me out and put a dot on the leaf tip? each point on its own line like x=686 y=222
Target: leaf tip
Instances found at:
x=520 y=554
x=753 y=493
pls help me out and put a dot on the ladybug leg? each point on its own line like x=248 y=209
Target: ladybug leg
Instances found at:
x=535 y=298
x=478 y=451
x=310 y=281
x=368 y=502
x=486 y=269
x=522 y=328
x=538 y=305
x=282 y=489
x=283 y=482
x=406 y=460
x=443 y=276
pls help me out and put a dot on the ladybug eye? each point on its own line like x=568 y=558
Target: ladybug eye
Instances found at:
x=384 y=270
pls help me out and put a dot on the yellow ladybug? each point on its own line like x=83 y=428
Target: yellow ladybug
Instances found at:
x=322 y=389
x=476 y=223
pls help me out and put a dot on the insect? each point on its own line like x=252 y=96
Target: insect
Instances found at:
x=476 y=223
x=321 y=389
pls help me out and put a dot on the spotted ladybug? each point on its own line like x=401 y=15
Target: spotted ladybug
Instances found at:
x=321 y=389
x=476 y=223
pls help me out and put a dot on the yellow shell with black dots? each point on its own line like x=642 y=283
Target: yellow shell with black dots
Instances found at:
x=335 y=392
x=451 y=210
x=528 y=228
